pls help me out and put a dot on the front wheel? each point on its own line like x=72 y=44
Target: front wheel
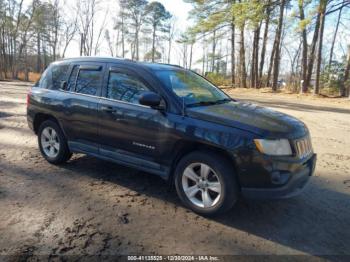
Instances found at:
x=206 y=183
x=52 y=143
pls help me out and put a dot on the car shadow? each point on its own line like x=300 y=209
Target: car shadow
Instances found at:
x=315 y=222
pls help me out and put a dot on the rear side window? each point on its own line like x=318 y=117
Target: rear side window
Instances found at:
x=59 y=73
x=88 y=82
x=125 y=87
x=45 y=80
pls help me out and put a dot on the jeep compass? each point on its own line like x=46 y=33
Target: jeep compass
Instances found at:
x=169 y=121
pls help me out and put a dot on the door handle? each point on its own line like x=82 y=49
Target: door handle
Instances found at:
x=108 y=109
x=115 y=112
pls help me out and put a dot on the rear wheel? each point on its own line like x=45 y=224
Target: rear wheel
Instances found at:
x=52 y=143
x=206 y=183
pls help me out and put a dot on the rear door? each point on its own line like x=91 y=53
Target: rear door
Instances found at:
x=80 y=105
x=130 y=132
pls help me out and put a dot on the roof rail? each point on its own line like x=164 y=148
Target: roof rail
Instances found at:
x=171 y=65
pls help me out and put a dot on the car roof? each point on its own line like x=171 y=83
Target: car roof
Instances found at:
x=125 y=61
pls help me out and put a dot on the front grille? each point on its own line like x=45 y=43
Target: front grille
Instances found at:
x=303 y=147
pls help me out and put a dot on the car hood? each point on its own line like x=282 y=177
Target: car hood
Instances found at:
x=262 y=121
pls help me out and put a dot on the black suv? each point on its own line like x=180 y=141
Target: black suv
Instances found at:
x=172 y=122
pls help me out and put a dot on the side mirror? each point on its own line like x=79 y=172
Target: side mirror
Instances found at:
x=64 y=85
x=150 y=99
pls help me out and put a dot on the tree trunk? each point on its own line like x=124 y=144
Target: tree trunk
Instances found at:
x=270 y=65
x=213 y=51
x=334 y=37
x=153 y=42
x=203 y=57
x=346 y=78
x=323 y=5
x=137 y=44
x=276 y=63
x=263 y=50
x=123 y=37
x=169 y=50
x=233 y=69
x=185 y=56
x=38 y=59
x=81 y=44
x=312 y=51
x=255 y=58
x=45 y=57
x=191 y=51
x=252 y=68
x=304 y=87
x=54 y=46
x=243 y=72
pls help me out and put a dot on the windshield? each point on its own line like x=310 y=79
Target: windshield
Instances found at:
x=192 y=88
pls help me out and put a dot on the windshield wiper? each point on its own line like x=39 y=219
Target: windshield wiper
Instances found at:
x=221 y=101
x=209 y=103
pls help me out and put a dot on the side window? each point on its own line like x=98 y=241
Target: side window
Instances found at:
x=58 y=74
x=45 y=80
x=88 y=82
x=72 y=78
x=124 y=87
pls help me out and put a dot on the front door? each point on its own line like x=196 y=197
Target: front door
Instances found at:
x=129 y=132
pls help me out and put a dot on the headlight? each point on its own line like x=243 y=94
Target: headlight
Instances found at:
x=279 y=147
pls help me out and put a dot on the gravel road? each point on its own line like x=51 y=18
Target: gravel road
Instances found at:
x=92 y=207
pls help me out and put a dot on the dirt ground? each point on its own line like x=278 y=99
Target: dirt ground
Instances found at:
x=90 y=206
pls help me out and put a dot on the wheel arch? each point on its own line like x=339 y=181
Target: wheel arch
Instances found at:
x=39 y=118
x=184 y=148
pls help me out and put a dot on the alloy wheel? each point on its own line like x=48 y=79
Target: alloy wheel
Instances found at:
x=50 y=142
x=201 y=185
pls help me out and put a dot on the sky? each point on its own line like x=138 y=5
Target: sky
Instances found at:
x=180 y=10
x=177 y=8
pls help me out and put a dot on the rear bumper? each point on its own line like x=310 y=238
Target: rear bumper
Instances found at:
x=30 y=121
x=294 y=186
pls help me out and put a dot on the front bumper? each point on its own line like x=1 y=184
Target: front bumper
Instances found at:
x=295 y=184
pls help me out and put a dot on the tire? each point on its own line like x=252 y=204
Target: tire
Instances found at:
x=209 y=200
x=52 y=143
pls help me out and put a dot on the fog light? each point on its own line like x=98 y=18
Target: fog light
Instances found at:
x=279 y=178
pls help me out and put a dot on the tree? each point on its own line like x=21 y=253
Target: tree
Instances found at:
x=55 y=27
x=277 y=58
x=255 y=58
x=70 y=28
x=150 y=56
x=302 y=27
x=211 y=17
x=312 y=51
x=157 y=16
x=346 y=81
x=120 y=27
x=335 y=35
x=263 y=49
x=187 y=39
x=242 y=67
x=322 y=12
x=233 y=60
x=135 y=11
x=171 y=27
x=87 y=10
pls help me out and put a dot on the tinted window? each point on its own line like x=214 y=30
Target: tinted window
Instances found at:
x=88 y=82
x=190 y=87
x=58 y=74
x=45 y=80
x=72 y=78
x=125 y=87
